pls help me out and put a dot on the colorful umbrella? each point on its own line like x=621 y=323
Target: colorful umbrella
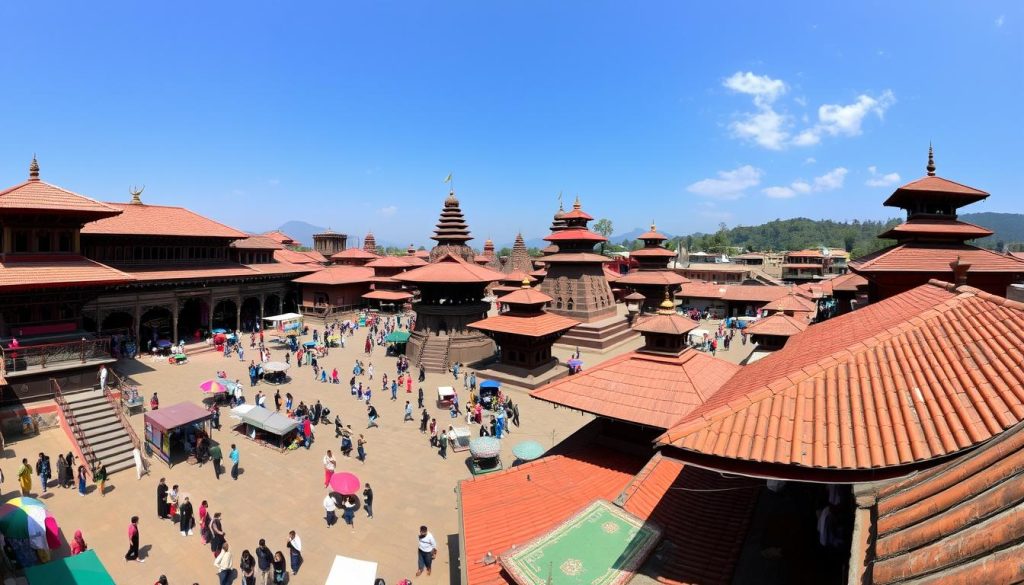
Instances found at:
x=28 y=518
x=345 y=483
x=213 y=387
x=528 y=450
x=485 y=447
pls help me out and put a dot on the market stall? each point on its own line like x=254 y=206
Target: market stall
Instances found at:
x=275 y=372
x=29 y=529
x=397 y=341
x=459 y=439
x=80 y=569
x=265 y=426
x=284 y=324
x=445 y=395
x=485 y=455
x=172 y=432
x=489 y=390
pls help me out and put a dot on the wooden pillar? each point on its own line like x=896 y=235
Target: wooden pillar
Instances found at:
x=174 y=321
x=262 y=300
x=136 y=318
x=238 y=313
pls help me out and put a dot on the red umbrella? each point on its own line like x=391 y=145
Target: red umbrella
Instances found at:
x=345 y=483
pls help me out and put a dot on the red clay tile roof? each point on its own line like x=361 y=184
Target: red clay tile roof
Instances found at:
x=450 y=269
x=923 y=374
x=162 y=272
x=338 y=275
x=925 y=257
x=610 y=275
x=647 y=389
x=541 y=272
x=673 y=324
x=805 y=254
x=281 y=237
x=747 y=293
x=704 y=517
x=424 y=254
x=257 y=243
x=656 y=252
x=413 y=260
x=653 y=277
x=959 y=522
x=849 y=282
x=294 y=257
x=481 y=259
x=530 y=500
x=577 y=214
x=791 y=302
x=160 y=220
x=517 y=277
x=529 y=325
x=36 y=195
x=779 y=324
x=387 y=295
x=526 y=296
x=960 y=230
x=914 y=190
x=282 y=268
x=652 y=234
x=722 y=267
x=354 y=254
x=1019 y=255
x=388 y=262
x=575 y=234
x=37 y=272
x=574 y=257
x=750 y=256
x=802 y=266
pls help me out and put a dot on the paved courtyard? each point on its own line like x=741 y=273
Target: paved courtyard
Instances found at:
x=278 y=492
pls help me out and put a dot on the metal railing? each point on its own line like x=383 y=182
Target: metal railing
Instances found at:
x=76 y=431
x=117 y=404
x=50 y=354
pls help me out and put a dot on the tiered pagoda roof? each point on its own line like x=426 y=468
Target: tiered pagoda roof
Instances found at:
x=526 y=315
x=519 y=258
x=793 y=303
x=353 y=256
x=450 y=269
x=575 y=242
x=412 y=257
x=370 y=244
x=139 y=219
x=337 y=275
x=778 y=325
x=451 y=228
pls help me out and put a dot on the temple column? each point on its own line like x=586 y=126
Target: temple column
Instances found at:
x=174 y=320
x=262 y=300
x=238 y=313
x=136 y=325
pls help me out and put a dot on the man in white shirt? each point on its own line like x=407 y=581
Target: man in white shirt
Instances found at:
x=427 y=550
x=329 y=466
x=223 y=564
x=295 y=551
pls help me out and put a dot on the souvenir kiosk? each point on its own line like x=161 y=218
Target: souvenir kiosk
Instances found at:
x=172 y=432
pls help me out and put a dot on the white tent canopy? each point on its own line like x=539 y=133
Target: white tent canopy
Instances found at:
x=283 y=317
x=697 y=335
x=349 y=571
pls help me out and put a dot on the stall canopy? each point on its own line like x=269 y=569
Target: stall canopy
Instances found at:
x=349 y=571
x=176 y=416
x=265 y=420
x=397 y=337
x=81 y=569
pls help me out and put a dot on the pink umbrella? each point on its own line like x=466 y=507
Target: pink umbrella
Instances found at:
x=213 y=386
x=345 y=483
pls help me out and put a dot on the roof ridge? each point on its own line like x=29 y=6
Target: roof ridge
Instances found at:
x=48 y=184
x=944 y=179
x=641 y=476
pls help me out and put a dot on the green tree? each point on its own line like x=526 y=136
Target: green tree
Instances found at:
x=604 y=227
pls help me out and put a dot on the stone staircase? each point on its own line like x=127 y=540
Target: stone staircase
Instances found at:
x=434 y=355
x=101 y=426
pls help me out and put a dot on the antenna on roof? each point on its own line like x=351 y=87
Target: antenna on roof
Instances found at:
x=931 y=160
x=135 y=193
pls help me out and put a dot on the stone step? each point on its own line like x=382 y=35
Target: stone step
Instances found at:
x=85 y=408
x=115 y=453
x=104 y=433
x=121 y=465
x=117 y=462
x=73 y=398
x=110 y=420
x=93 y=416
x=108 y=440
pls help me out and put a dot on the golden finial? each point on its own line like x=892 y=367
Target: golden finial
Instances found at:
x=667 y=307
x=526 y=282
x=33 y=169
x=135 y=193
x=931 y=161
x=654 y=228
x=576 y=204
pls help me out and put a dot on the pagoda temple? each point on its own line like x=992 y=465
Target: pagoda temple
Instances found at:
x=387 y=291
x=452 y=233
x=524 y=333
x=489 y=258
x=652 y=275
x=519 y=259
x=575 y=280
x=451 y=290
x=370 y=244
x=512 y=282
x=412 y=258
x=932 y=243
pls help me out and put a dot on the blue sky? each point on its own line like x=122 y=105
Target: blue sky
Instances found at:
x=351 y=114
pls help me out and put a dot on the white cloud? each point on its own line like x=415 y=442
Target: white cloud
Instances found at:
x=800 y=101
x=807 y=138
x=764 y=89
x=389 y=210
x=810 y=160
x=879 y=180
x=839 y=120
x=779 y=192
x=830 y=181
x=766 y=128
x=1000 y=20
x=728 y=184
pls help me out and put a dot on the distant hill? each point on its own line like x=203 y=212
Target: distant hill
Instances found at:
x=301 y=231
x=1008 y=227
x=633 y=234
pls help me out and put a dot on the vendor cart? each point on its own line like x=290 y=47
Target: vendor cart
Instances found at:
x=445 y=396
x=485 y=455
x=460 y=439
x=489 y=390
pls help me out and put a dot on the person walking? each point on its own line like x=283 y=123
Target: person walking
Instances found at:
x=419 y=397
x=264 y=562
x=133 y=541
x=329 y=466
x=25 y=477
x=43 y=470
x=426 y=549
x=101 y=480
x=161 y=499
x=330 y=509
x=295 y=551
x=234 y=462
x=368 y=501
x=371 y=415
x=62 y=471
x=223 y=564
x=215 y=457
x=280 y=569
x=81 y=480
x=408 y=412
x=103 y=377
x=185 y=517
x=204 y=522
x=247 y=566
x=349 y=502
x=277 y=401
x=442 y=438
x=361 y=449
x=216 y=533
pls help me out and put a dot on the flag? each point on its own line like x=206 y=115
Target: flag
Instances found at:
x=448 y=179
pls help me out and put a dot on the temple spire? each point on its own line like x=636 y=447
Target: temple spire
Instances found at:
x=931 y=161
x=33 y=169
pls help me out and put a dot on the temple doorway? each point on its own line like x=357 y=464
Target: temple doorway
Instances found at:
x=193 y=319
x=250 y=313
x=225 y=315
x=117 y=322
x=155 y=325
x=271 y=306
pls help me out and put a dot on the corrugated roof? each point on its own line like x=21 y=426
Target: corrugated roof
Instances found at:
x=159 y=220
x=648 y=389
x=923 y=374
x=959 y=522
x=926 y=257
x=37 y=272
x=36 y=195
x=333 y=275
x=528 y=325
x=530 y=500
x=704 y=517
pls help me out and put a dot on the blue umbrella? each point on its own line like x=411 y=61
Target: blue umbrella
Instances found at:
x=528 y=450
x=220 y=330
x=490 y=384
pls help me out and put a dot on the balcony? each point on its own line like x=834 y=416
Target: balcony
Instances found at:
x=51 y=357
